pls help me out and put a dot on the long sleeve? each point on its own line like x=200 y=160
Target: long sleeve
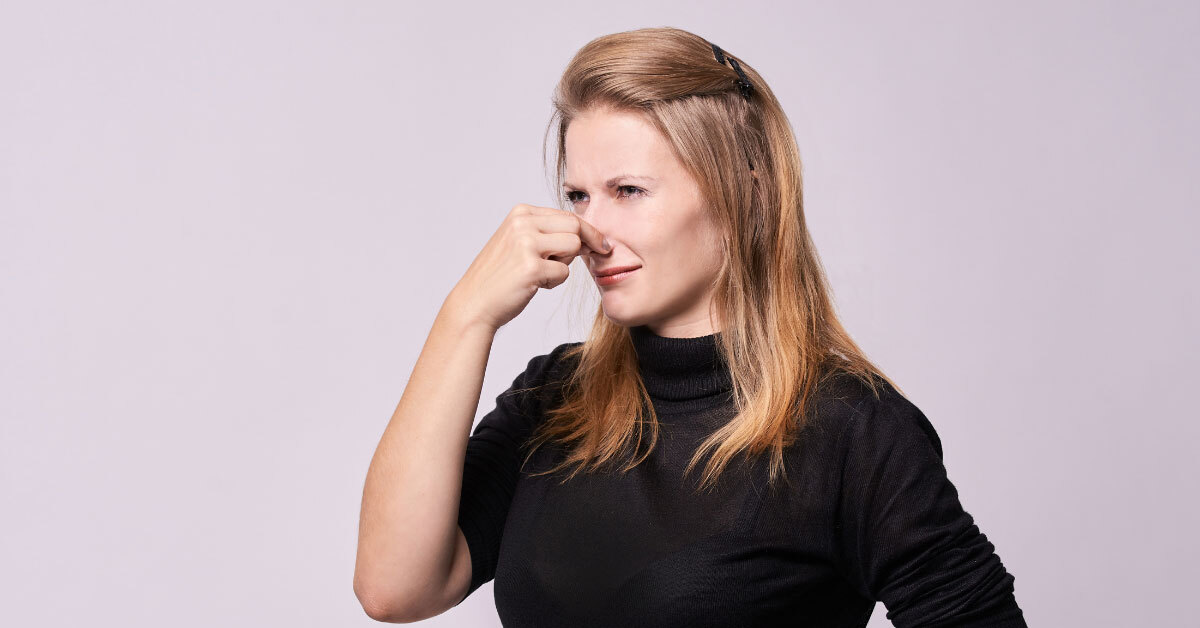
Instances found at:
x=493 y=461
x=903 y=536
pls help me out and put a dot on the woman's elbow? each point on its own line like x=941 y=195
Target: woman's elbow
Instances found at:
x=385 y=606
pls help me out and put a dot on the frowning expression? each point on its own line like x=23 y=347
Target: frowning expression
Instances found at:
x=623 y=178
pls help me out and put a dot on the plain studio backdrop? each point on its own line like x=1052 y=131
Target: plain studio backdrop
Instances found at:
x=226 y=227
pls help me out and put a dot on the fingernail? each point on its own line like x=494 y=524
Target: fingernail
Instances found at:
x=606 y=245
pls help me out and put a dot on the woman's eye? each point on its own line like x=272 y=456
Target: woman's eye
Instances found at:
x=635 y=191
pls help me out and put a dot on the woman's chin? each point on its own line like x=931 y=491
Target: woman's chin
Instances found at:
x=618 y=313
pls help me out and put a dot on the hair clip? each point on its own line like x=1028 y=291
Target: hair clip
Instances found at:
x=742 y=82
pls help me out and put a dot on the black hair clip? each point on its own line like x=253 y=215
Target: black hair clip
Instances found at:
x=743 y=83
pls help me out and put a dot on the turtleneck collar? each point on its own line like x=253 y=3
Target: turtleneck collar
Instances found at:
x=681 y=374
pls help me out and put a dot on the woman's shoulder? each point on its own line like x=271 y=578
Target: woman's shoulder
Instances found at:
x=561 y=360
x=542 y=372
x=520 y=406
x=859 y=408
x=545 y=366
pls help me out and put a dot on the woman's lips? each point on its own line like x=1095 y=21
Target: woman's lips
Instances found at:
x=609 y=280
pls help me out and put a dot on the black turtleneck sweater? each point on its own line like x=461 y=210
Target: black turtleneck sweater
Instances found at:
x=868 y=514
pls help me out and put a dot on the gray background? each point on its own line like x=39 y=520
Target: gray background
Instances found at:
x=227 y=226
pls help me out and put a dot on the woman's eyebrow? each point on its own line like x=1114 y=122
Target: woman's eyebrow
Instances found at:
x=613 y=181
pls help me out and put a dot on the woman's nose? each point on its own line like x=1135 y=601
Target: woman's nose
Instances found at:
x=597 y=217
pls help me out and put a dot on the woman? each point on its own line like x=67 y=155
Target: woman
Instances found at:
x=719 y=452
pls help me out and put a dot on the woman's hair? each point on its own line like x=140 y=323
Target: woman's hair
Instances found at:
x=780 y=336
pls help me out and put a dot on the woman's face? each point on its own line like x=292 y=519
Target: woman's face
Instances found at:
x=622 y=178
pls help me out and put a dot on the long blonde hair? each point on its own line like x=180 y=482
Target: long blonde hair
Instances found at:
x=780 y=333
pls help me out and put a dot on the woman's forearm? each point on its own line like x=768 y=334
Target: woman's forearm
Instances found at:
x=408 y=527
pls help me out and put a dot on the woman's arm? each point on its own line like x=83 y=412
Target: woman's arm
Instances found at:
x=408 y=532
x=903 y=534
x=408 y=539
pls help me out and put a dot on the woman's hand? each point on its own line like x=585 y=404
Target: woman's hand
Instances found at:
x=533 y=248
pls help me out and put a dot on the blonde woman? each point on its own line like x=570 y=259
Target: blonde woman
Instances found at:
x=718 y=451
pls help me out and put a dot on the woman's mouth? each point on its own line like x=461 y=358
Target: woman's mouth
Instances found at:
x=608 y=280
